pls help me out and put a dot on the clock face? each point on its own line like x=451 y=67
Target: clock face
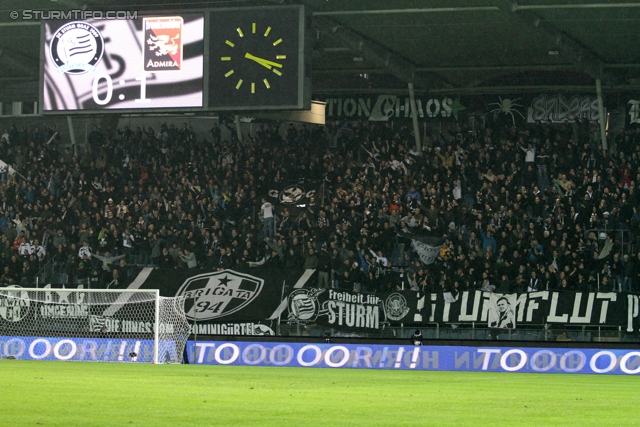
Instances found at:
x=255 y=58
x=246 y=67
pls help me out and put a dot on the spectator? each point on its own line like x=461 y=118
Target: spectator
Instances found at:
x=140 y=192
x=189 y=258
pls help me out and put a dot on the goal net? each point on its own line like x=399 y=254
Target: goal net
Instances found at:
x=95 y=325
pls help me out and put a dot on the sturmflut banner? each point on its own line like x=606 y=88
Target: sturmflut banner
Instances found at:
x=537 y=308
x=427 y=358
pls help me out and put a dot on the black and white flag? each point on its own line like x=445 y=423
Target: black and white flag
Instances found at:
x=5 y=168
x=427 y=248
x=293 y=194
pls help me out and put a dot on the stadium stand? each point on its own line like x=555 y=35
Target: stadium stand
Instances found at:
x=536 y=207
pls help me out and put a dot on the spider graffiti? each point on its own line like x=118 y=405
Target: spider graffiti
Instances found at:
x=507 y=106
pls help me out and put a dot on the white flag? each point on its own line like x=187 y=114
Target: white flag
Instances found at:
x=4 y=168
x=427 y=253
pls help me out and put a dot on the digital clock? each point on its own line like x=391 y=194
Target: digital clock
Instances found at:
x=153 y=62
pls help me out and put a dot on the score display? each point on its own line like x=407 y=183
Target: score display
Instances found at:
x=153 y=62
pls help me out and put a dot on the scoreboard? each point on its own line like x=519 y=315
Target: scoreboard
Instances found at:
x=150 y=62
x=240 y=59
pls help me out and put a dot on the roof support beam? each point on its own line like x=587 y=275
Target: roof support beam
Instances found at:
x=583 y=58
x=578 y=6
x=406 y=10
x=378 y=55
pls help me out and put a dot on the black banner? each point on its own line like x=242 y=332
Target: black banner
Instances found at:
x=221 y=296
x=385 y=107
x=293 y=194
x=506 y=109
x=537 y=308
x=339 y=309
x=250 y=302
x=240 y=302
x=228 y=302
x=405 y=307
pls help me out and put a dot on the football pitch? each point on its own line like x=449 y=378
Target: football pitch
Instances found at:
x=116 y=394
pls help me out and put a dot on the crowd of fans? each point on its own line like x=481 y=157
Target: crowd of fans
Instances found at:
x=517 y=208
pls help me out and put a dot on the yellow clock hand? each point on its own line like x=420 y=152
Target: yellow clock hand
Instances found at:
x=274 y=64
x=264 y=62
x=258 y=60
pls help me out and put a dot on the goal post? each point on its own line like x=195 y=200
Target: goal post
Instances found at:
x=128 y=325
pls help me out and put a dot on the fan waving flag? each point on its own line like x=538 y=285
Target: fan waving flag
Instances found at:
x=293 y=193
x=426 y=247
x=4 y=168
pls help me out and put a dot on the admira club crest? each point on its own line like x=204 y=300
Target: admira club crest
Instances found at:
x=163 y=40
x=214 y=295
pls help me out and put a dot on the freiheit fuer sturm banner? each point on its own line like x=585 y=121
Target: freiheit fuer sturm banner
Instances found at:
x=425 y=358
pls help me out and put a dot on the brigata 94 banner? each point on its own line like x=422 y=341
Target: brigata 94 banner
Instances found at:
x=424 y=358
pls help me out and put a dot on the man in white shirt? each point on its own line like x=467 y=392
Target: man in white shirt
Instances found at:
x=26 y=249
x=107 y=260
x=85 y=249
x=530 y=153
x=380 y=258
x=266 y=210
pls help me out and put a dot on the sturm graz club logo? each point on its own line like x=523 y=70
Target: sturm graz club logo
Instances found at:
x=213 y=295
x=396 y=306
x=76 y=48
x=292 y=194
x=14 y=304
x=303 y=305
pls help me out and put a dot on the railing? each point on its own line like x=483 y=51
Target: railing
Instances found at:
x=471 y=332
x=42 y=273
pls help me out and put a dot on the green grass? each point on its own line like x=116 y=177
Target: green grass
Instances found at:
x=112 y=394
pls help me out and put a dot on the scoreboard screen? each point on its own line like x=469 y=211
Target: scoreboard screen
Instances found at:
x=152 y=62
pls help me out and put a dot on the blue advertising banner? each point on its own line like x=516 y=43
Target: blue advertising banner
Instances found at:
x=77 y=349
x=428 y=358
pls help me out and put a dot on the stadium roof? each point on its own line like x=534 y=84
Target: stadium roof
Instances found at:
x=463 y=46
